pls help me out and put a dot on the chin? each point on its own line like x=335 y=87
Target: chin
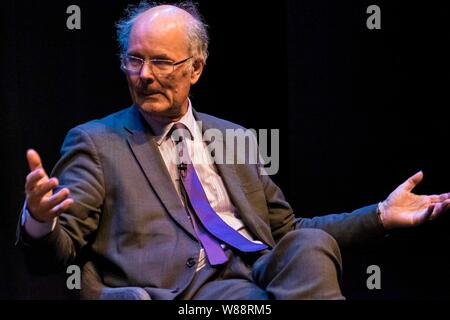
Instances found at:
x=159 y=107
x=153 y=105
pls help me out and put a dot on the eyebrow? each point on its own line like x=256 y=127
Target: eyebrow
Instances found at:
x=161 y=56
x=157 y=56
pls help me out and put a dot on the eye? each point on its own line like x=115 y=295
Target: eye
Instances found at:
x=134 y=61
x=162 y=63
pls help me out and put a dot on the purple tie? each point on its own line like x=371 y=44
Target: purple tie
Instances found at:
x=216 y=228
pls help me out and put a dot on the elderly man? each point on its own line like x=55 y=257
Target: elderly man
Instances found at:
x=126 y=202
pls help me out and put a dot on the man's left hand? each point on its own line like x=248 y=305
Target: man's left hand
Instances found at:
x=404 y=209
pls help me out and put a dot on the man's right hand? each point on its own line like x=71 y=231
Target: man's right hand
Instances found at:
x=42 y=204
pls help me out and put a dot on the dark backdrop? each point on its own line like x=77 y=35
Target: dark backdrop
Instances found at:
x=358 y=111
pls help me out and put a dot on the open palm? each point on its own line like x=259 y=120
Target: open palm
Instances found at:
x=403 y=208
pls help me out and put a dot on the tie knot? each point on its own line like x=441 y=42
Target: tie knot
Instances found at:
x=180 y=131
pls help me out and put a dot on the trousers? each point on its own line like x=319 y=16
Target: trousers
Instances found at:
x=305 y=264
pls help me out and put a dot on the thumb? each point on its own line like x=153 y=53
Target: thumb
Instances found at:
x=413 y=181
x=34 y=160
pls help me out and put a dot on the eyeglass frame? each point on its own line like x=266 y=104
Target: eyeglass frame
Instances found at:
x=174 y=64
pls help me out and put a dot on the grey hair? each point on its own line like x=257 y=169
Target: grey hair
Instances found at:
x=198 y=38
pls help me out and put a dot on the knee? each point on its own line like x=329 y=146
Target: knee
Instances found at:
x=311 y=240
x=314 y=252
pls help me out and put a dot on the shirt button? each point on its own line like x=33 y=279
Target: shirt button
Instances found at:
x=190 y=262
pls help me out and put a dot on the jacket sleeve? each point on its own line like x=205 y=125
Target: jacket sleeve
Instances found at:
x=349 y=229
x=79 y=170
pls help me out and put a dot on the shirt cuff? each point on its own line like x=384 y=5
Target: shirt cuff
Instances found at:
x=36 y=229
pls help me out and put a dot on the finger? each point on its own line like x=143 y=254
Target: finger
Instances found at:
x=34 y=160
x=33 y=179
x=61 y=208
x=58 y=197
x=434 y=198
x=439 y=209
x=436 y=210
x=444 y=196
x=412 y=181
x=42 y=189
x=425 y=215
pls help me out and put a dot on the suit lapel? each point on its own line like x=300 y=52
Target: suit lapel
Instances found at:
x=144 y=148
x=252 y=220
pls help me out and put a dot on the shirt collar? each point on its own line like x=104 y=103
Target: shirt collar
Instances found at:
x=161 y=130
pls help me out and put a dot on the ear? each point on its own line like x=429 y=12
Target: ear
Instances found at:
x=197 y=69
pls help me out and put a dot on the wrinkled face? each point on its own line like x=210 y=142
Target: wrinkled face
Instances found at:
x=161 y=33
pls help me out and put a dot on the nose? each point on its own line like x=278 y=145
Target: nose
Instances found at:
x=146 y=73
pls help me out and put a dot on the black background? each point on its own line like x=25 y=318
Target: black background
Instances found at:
x=359 y=111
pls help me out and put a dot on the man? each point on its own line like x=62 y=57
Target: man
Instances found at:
x=126 y=202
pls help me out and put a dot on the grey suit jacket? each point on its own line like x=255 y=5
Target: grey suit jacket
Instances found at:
x=128 y=223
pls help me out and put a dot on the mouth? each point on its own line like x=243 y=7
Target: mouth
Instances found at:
x=148 y=94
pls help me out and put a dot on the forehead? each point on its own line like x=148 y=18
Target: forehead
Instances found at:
x=159 y=32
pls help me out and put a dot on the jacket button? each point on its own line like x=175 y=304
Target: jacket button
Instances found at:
x=190 y=262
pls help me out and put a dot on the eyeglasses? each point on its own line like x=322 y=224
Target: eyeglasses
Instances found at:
x=159 y=67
